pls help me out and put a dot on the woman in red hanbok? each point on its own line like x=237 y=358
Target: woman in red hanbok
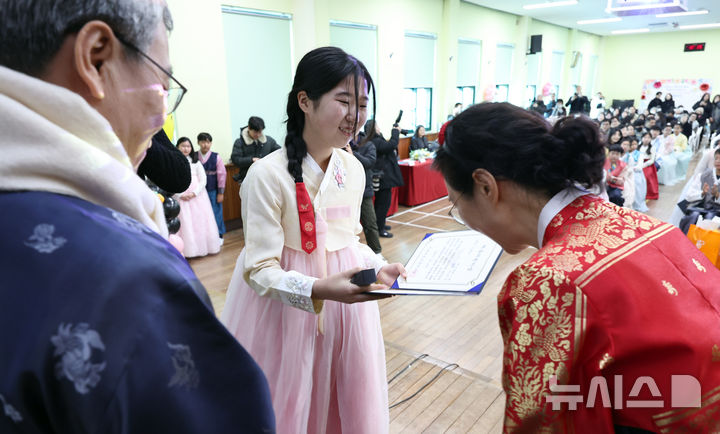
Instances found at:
x=614 y=323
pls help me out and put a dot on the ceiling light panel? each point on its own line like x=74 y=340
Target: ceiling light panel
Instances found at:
x=550 y=4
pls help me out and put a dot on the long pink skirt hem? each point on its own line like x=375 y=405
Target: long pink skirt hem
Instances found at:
x=333 y=382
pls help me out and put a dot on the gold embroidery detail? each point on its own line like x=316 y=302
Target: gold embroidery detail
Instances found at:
x=715 y=353
x=304 y=206
x=308 y=226
x=309 y=245
x=566 y=262
x=690 y=420
x=606 y=360
x=699 y=265
x=537 y=326
x=671 y=289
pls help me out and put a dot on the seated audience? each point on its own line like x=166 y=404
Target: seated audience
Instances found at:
x=703 y=197
x=419 y=140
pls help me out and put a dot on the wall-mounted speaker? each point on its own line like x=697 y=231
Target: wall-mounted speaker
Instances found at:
x=535 y=44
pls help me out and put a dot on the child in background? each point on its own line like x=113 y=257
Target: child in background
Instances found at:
x=682 y=151
x=647 y=153
x=615 y=178
x=216 y=175
x=667 y=174
x=635 y=161
x=198 y=229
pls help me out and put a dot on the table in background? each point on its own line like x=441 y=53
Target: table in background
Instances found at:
x=422 y=183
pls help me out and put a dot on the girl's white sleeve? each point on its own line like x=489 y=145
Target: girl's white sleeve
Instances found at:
x=262 y=201
x=202 y=177
x=694 y=192
x=650 y=161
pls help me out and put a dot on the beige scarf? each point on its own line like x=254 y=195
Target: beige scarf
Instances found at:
x=52 y=140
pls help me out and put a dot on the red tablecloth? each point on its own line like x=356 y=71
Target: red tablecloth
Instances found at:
x=393 y=201
x=422 y=184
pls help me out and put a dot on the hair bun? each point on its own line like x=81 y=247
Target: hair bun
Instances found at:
x=579 y=149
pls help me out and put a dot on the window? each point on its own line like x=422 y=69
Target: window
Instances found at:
x=262 y=91
x=468 y=71
x=503 y=71
x=558 y=57
x=465 y=95
x=417 y=107
x=419 y=79
x=530 y=94
x=501 y=92
x=359 y=40
x=576 y=72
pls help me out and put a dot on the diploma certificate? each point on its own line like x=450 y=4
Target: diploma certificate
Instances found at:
x=449 y=263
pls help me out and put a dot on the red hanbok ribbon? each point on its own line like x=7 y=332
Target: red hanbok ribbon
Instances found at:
x=307 y=218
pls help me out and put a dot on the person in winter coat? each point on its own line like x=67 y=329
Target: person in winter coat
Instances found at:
x=387 y=165
x=251 y=146
x=365 y=152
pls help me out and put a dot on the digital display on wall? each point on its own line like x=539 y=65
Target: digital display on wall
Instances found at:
x=696 y=46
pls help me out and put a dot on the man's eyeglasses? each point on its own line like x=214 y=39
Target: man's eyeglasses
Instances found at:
x=175 y=92
x=454 y=213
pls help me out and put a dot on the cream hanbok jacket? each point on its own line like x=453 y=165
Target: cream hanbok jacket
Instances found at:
x=271 y=222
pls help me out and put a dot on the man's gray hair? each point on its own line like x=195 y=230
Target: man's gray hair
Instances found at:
x=32 y=31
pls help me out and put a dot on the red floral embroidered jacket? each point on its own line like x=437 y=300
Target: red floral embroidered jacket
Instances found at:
x=624 y=312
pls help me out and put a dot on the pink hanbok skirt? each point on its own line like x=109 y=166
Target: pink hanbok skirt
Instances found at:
x=332 y=381
x=198 y=229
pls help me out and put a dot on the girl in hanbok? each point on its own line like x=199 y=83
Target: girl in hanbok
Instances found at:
x=290 y=299
x=667 y=175
x=682 y=151
x=636 y=177
x=612 y=302
x=198 y=229
x=647 y=155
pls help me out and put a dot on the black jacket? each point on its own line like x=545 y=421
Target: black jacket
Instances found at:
x=367 y=155
x=667 y=106
x=656 y=102
x=578 y=104
x=165 y=165
x=245 y=149
x=418 y=143
x=387 y=160
x=707 y=111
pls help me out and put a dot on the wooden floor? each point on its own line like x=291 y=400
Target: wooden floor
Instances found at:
x=460 y=333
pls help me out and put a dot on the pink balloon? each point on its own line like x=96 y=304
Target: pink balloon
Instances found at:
x=489 y=93
x=177 y=242
x=547 y=89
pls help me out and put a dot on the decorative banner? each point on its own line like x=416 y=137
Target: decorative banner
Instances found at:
x=685 y=92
